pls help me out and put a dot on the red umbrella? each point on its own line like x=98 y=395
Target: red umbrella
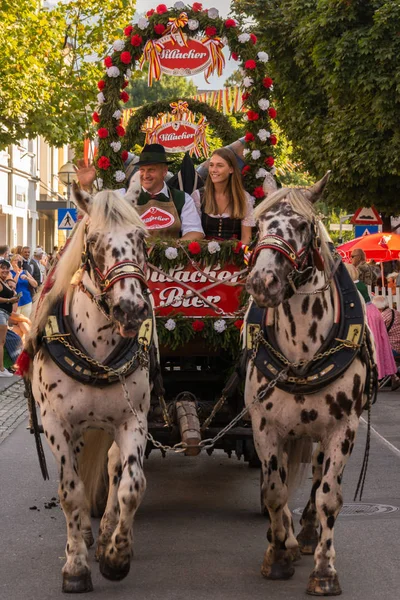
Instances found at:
x=380 y=247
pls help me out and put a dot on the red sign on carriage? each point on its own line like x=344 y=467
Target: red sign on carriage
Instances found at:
x=219 y=285
x=157 y=218
x=177 y=136
x=176 y=58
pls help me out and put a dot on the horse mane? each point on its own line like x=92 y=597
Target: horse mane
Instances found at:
x=108 y=209
x=302 y=206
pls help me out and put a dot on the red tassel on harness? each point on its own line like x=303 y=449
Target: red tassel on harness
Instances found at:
x=22 y=364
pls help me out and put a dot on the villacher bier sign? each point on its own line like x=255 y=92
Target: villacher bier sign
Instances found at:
x=176 y=136
x=179 y=59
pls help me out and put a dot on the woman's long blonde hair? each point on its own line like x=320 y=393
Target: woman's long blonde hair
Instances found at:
x=234 y=188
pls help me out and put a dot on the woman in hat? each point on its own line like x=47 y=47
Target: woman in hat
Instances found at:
x=226 y=208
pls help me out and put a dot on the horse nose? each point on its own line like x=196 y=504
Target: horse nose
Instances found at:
x=127 y=311
x=268 y=284
x=272 y=283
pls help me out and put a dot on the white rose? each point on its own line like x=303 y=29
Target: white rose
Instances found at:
x=213 y=247
x=213 y=13
x=224 y=40
x=171 y=253
x=243 y=38
x=272 y=170
x=193 y=24
x=118 y=45
x=245 y=118
x=128 y=73
x=142 y=23
x=179 y=5
x=101 y=98
x=261 y=173
x=220 y=325
x=263 y=103
x=247 y=82
x=117 y=115
x=255 y=155
x=263 y=134
x=119 y=176
x=170 y=325
x=96 y=142
x=263 y=56
x=245 y=151
x=113 y=72
x=116 y=146
x=98 y=182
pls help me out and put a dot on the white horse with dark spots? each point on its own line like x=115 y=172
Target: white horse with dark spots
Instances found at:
x=90 y=371
x=306 y=323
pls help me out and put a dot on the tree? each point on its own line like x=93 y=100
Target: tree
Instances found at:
x=168 y=87
x=51 y=61
x=337 y=80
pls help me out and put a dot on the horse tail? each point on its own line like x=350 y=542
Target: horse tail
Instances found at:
x=92 y=465
x=299 y=457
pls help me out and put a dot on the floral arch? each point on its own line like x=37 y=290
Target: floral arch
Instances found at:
x=144 y=42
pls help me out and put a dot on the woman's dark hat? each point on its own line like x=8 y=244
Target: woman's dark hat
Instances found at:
x=153 y=154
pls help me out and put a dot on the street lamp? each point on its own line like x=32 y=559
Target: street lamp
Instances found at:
x=67 y=174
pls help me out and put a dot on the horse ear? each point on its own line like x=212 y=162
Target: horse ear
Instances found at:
x=82 y=198
x=133 y=191
x=314 y=192
x=269 y=184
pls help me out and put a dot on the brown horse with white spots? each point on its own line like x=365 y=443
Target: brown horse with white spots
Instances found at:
x=106 y=306
x=292 y=276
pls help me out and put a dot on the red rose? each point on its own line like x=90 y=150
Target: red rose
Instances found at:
x=269 y=161
x=150 y=12
x=235 y=55
x=272 y=112
x=197 y=7
x=126 y=58
x=258 y=192
x=252 y=116
x=103 y=163
x=194 y=248
x=159 y=28
x=273 y=139
x=124 y=96
x=102 y=132
x=267 y=82
x=96 y=117
x=120 y=131
x=250 y=64
x=238 y=324
x=253 y=38
x=108 y=61
x=124 y=155
x=249 y=137
x=136 y=40
x=230 y=23
x=101 y=84
x=161 y=9
x=124 y=84
x=245 y=170
x=198 y=325
x=128 y=30
x=245 y=96
x=210 y=31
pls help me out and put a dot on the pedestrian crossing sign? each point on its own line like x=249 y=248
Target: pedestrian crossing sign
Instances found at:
x=67 y=218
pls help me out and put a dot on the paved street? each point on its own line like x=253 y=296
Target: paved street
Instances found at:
x=199 y=533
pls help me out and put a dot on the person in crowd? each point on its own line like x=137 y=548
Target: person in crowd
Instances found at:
x=26 y=259
x=366 y=272
x=225 y=207
x=376 y=268
x=384 y=356
x=38 y=270
x=391 y=318
x=24 y=283
x=392 y=282
x=8 y=298
x=237 y=148
x=18 y=322
x=4 y=252
x=176 y=214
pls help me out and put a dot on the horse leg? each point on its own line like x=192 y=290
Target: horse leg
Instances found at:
x=115 y=560
x=308 y=535
x=277 y=563
x=76 y=572
x=110 y=517
x=323 y=580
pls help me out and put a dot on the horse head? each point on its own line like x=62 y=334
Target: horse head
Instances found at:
x=115 y=257
x=283 y=257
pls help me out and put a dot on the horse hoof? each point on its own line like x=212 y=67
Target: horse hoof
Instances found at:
x=88 y=537
x=307 y=543
x=77 y=584
x=295 y=554
x=278 y=570
x=111 y=572
x=324 y=586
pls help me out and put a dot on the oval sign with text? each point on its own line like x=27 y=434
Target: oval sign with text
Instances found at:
x=177 y=136
x=178 y=59
x=157 y=218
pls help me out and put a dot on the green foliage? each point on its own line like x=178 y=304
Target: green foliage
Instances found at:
x=46 y=86
x=168 y=87
x=229 y=253
x=337 y=79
